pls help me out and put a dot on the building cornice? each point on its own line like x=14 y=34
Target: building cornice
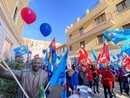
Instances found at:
x=101 y=27
x=100 y=7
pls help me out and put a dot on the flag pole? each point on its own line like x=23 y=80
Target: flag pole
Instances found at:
x=47 y=86
x=15 y=78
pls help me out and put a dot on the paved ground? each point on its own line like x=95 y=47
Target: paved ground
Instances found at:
x=116 y=89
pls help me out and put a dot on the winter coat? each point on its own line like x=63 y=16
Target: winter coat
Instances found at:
x=89 y=75
x=107 y=77
x=83 y=78
x=74 y=79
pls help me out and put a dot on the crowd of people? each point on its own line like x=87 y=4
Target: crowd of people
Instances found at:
x=92 y=74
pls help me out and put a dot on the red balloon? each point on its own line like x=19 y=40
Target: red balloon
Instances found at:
x=28 y=15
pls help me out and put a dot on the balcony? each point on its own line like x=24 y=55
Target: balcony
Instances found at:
x=92 y=29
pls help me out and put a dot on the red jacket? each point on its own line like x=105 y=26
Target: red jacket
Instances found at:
x=89 y=75
x=107 y=77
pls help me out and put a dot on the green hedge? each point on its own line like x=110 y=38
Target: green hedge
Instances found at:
x=9 y=88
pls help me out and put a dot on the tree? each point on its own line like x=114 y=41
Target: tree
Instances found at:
x=9 y=88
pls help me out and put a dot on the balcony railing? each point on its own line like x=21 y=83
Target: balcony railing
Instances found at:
x=109 y=17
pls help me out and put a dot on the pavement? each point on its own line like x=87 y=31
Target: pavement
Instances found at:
x=116 y=90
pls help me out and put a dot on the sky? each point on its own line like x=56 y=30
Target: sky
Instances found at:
x=58 y=14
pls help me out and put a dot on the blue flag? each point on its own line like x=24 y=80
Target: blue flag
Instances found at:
x=126 y=47
x=46 y=57
x=119 y=59
x=104 y=39
x=21 y=50
x=94 y=54
x=75 y=61
x=61 y=69
x=117 y=36
x=112 y=58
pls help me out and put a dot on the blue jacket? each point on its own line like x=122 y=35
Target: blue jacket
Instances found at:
x=74 y=79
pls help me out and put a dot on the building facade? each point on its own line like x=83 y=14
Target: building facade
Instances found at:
x=60 y=50
x=88 y=30
x=37 y=46
x=11 y=26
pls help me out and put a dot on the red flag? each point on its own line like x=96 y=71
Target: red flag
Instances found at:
x=82 y=55
x=37 y=55
x=87 y=61
x=126 y=62
x=104 y=56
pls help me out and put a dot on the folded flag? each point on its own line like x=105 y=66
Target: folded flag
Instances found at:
x=43 y=95
x=75 y=61
x=94 y=54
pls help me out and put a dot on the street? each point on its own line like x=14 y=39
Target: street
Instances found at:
x=116 y=89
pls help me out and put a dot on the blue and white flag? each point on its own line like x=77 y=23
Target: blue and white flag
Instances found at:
x=61 y=69
x=21 y=50
x=117 y=36
x=126 y=47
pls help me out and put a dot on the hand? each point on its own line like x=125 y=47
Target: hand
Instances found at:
x=70 y=89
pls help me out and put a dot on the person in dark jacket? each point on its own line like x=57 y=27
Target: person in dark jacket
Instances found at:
x=96 y=79
x=83 y=77
x=68 y=82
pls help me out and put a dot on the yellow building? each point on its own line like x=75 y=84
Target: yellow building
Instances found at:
x=11 y=26
x=88 y=31
x=60 y=50
x=36 y=46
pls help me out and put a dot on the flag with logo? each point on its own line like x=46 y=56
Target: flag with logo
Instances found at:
x=126 y=62
x=59 y=72
x=126 y=47
x=117 y=36
x=82 y=55
x=104 y=56
x=21 y=50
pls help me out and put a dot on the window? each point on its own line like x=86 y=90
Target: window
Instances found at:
x=82 y=43
x=100 y=39
x=123 y=5
x=81 y=31
x=127 y=26
x=100 y=19
x=70 y=48
x=70 y=36
x=6 y=50
x=15 y=13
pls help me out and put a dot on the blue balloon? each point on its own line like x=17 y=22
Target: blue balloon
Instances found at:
x=44 y=51
x=45 y=29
